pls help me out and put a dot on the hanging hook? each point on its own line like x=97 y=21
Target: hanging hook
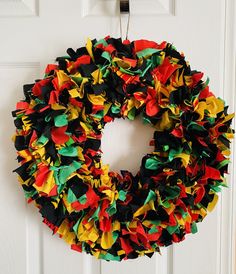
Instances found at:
x=124 y=9
x=124 y=6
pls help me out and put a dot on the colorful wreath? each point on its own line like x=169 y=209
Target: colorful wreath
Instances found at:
x=115 y=216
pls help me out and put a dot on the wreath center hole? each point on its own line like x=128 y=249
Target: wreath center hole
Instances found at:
x=125 y=142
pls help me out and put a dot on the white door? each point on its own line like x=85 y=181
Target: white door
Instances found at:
x=32 y=34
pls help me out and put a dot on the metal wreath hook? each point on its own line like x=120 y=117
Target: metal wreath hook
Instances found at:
x=124 y=9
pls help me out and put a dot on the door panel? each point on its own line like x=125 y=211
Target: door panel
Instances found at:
x=17 y=219
x=33 y=33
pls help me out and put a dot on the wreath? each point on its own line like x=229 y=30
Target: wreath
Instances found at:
x=59 y=124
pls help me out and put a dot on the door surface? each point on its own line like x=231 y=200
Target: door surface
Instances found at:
x=33 y=33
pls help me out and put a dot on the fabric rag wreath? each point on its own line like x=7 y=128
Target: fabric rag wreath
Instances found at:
x=116 y=216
